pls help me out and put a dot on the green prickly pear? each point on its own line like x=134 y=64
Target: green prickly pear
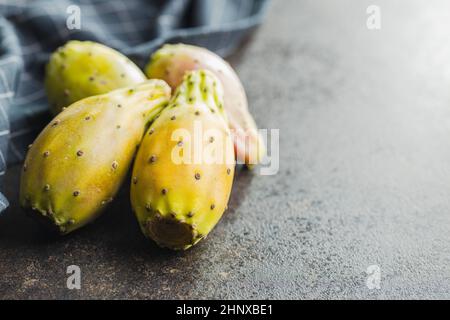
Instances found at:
x=81 y=69
x=77 y=163
x=170 y=64
x=183 y=172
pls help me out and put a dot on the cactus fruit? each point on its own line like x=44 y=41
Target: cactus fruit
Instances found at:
x=170 y=64
x=178 y=202
x=81 y=69
x=77 y=163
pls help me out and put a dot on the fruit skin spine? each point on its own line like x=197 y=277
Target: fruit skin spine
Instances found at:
x=172 y=61
x=76 y=165
x=178 y=203
x=81 y=69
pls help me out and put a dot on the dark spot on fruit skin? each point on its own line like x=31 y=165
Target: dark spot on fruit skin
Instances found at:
x=228 y=171
x=151 y=131
x=197 y=113
x=164 y=191
x=55 y=123
x=205 y=90
x=213 y=206
x=152 y=159
x=131 y=91
x=76 y=193
x=25 y=167
x=46 y=154
x=173 y=118
x=115 y=165
x=148 y=207
x=122 y=75
x=47 y=187
x=191 y=99
x=87 y=118
x=119 y=106
x=80 y=153
x=190 y=214
x=180 y=143
x=173 y=215
x=197 y=176
x=118 y=126
x=135 y=180
x=213 y=111
x=211 y=139
x=91 y=79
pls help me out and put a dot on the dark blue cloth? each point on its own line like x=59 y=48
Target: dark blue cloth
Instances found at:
x=31 y=30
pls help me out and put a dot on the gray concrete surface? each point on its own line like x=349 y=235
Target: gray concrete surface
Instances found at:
x=364 y=119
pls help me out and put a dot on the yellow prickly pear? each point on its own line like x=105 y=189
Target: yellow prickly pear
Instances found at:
x=77 y=163
x=171 y=62
x=183 y=172
x=81 y=69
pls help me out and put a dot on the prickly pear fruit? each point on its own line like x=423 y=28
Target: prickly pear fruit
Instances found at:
x=77 y=163
x=170 y=64
x=81 y=69
x=183 y=172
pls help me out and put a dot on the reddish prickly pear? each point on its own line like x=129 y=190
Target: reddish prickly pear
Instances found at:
x=81 y=69
x=183 y=172
x=171 y=62
x=77 y=163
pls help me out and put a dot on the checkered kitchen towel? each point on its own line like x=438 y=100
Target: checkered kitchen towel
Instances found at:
x=31 y=30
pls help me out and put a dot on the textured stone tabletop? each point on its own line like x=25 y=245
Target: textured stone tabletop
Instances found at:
x=364 y=180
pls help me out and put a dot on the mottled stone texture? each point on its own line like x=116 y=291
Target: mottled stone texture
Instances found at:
x=364 y=176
